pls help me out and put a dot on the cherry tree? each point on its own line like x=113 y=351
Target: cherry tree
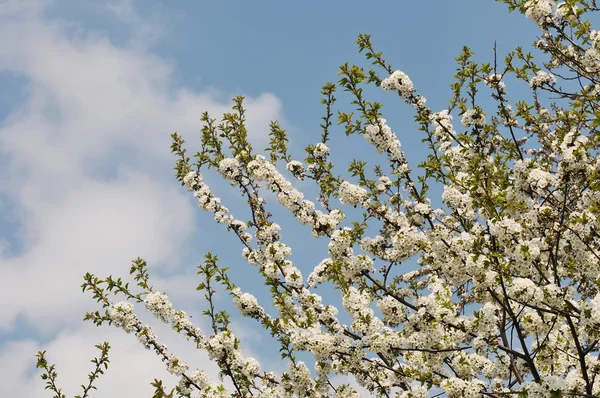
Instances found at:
x=505 y=300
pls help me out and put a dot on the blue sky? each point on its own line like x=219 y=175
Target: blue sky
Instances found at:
x=91 y=91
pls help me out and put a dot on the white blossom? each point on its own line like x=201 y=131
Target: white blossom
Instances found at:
x=539 y=11
x=229 y=168
x=352 y=194
x=541 y=78
x=321 y=150
x=398 y=81
x=473 y=117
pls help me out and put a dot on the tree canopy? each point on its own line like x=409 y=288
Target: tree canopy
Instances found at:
x=506 y=297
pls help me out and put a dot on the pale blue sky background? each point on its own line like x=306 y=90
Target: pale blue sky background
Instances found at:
x=91 y=91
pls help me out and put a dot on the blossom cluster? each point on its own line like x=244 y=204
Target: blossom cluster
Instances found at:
x=353 y=194
x=229 y=168
x=381 y=136
x=473 y=117
x=443 y=129
x=295 y=167
x=540 y=78
x=539 y=11
x=398 y=81
x=121 y=314
x=288 y=196
x=207 y=201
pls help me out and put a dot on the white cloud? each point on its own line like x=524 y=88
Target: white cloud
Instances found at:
x=145 y=31
x=91 y=108
x=97 y=227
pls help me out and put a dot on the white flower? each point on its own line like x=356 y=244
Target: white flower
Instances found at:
x=181 y=321
x=295 y=167
x=540 y=78
x=493 y=79
x=357 y=303
x=540 y=178
x=381 y=136
x=398 y=81
x=251 y=367
x=384 y=184
x=176 y=366
x=562 y=10
x=416 y=392
x=159 y=304
x=422 y=208
x=539 y=10
x=352 y=194
x=246 y=303
x=294 y=278
x=319 y=273
x=321 y=150
x=191 y=179
x=122 y=315
x=458 y=388
x=197 y=376
x=442 y=121
x=229 y=168
x=392 y=310
x=473 y=117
